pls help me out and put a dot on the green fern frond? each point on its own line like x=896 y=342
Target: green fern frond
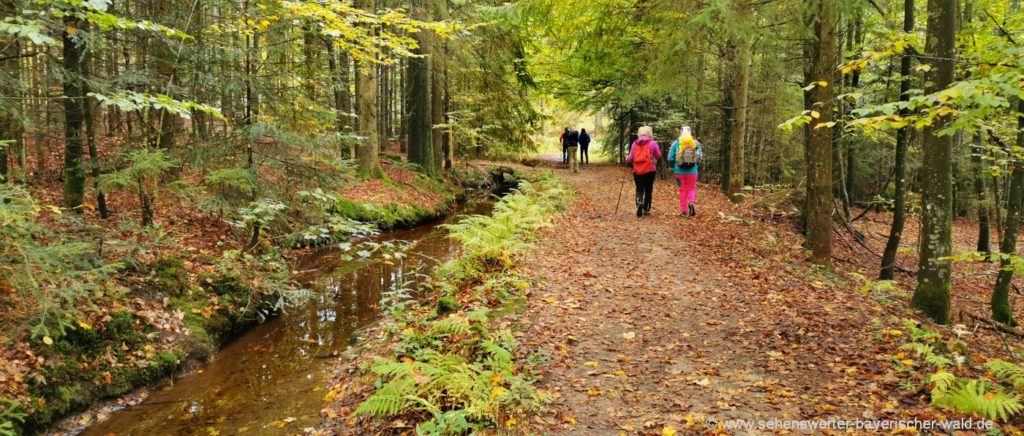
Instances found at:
x=1007 y=371
x=978 y=396
x=930 y=356
x=453 y=325
x=390 y=399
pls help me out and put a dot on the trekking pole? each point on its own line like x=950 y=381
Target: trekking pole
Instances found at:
x=622 y=184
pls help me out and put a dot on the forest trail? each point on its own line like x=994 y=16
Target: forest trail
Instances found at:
x=665 y=321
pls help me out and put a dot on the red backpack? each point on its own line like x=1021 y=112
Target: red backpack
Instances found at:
x=642 y=162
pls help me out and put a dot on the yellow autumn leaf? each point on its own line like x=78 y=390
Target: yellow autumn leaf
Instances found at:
x=84 y=325
x=498 y=390
x=510 y=422
x=591 y=364
x=47 y=340
x=668 y=431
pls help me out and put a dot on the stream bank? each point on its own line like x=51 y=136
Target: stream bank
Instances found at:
x=180 y=313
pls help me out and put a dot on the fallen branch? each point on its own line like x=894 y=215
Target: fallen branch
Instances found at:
x=992 y=325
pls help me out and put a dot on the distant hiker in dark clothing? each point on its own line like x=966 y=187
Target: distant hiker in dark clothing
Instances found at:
x=584 y=146
x=644 y=155
x=573 y=140
x=563 y=140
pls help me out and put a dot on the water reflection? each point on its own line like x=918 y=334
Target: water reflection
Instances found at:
x=270 y=380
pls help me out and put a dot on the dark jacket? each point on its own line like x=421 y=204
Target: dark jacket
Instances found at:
x=584 y=139
x=572 y=139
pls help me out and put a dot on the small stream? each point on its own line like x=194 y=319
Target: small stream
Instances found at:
x=272 y=379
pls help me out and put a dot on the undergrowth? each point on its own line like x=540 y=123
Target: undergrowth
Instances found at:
x=943 y=366
x=454 y=369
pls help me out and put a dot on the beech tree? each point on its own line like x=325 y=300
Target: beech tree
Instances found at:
x=933 y=283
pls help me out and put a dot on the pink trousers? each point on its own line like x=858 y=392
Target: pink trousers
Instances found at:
x=687 y=190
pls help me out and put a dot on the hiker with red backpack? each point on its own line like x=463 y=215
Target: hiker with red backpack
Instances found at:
x=686 y=154
x=643 y=156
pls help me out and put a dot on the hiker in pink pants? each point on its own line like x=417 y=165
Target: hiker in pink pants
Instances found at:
x=686 y=154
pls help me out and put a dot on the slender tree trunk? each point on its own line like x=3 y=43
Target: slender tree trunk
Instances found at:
x=899 y=219
x=74 y=170
x=1001 y=309
x=9 y=64
x=740 y=85
x=728 y=112
x=933 y=277
x=984 y=233
x=338 y=91
x=437 y=79
x=90 y=136
x=819 y=170
x=368 y=151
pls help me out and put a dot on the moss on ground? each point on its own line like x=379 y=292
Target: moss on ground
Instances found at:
x=170 y=275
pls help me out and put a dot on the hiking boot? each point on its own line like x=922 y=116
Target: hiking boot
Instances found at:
x=693 y=209
x=647 y=212
x=639 y=211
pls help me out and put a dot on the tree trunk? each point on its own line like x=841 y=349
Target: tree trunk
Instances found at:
x=984 y=233
x=1001 y=309
x=741 y=82
x=727 y=129
x=8 y=129
x=421 y=140
x=933 y=277
x=368 y=151
x=899 y=217
x=90 y=135
x=74 y=171
x=819 y=149
x=339 y=92
x=437 y=79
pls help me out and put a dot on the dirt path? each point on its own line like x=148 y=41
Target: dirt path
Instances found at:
x=668 y=321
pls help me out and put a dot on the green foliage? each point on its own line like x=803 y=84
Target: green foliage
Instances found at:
x=497 y=240
x=1007 y=372
x=930 y=356
x=331 y=224
x=12 y=414
x=55 y=271
x=141 y=176
x=973 y=396
x=227 y=188
x=992 y=399
x=449 y=364
x=130 y=101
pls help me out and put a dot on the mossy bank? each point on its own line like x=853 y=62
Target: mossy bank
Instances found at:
x=160 y=316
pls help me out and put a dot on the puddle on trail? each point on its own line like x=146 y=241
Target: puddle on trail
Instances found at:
x=271 y=379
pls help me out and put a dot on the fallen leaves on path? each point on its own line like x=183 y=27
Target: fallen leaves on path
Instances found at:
x=677 y=320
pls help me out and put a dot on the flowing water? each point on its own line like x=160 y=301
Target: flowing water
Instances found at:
x=271 y=379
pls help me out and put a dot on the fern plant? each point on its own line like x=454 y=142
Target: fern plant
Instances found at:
x=449 y=364
x=990 y=399
x=973 y=396
x=930 y=355
x=1008 y=372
